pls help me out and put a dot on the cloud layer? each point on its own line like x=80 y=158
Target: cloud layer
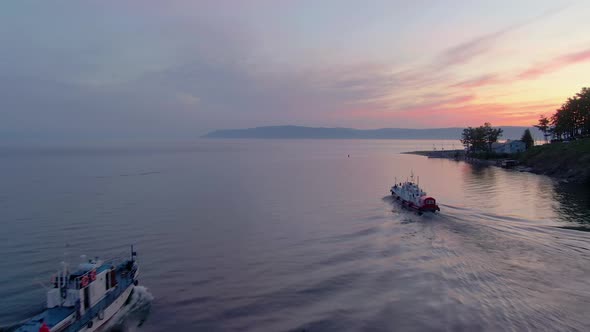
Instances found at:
x=141 y=69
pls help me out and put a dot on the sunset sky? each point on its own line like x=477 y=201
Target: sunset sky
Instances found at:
x=133 y=69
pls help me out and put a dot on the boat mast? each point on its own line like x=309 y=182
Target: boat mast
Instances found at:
x=133 y=254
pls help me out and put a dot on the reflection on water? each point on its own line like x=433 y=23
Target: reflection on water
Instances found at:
x=574 y=203
x=480 y=184
x=524 y=195
x=291 y=235
x=509 y=192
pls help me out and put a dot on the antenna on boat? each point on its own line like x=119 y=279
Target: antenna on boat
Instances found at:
x=65 y=266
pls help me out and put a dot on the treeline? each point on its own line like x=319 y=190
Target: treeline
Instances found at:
x=480 y=138
x=571 y=120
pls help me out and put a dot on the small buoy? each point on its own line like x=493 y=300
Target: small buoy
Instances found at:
x=348 y=156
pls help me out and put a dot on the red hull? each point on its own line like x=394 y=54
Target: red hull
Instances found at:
x=424 y=208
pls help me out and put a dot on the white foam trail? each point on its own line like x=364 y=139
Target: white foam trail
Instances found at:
x=134 y=313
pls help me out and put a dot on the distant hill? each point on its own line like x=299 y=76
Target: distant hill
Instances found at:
x=298 y=132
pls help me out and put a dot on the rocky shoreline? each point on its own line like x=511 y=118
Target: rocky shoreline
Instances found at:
x=458 y=155
x=567 y=172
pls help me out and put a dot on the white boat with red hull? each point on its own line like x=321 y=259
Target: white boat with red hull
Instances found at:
x=412 y=196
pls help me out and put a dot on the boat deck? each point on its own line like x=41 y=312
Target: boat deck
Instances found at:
x=51 y=317
x=99 y=269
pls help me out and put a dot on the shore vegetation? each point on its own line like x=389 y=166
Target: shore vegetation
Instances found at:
x=570 y=121
x=480 y=139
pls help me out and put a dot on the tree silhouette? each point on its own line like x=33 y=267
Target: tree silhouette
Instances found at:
x=491 y=134
x=572 y=119
x=467 y=138
x=480 y=138
x=544 y=126
x=527 y=138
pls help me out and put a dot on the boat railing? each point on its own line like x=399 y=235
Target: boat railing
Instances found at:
x=114 y=261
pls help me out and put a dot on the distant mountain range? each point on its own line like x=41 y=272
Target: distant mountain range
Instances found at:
x=298 y=132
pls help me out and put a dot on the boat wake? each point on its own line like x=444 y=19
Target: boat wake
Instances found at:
x=134 y=313
x=407 y=215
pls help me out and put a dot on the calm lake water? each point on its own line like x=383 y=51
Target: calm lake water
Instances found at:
x=291 y=235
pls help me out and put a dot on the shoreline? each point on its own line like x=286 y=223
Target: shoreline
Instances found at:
x=459 y=155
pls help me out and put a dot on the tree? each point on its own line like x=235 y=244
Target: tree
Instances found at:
x=491 y=134
x=480 y=141
x=480 y=138
x=527 y=138
x=584 y=110
x=572 y=119
x=544 y=127
x=467 y=138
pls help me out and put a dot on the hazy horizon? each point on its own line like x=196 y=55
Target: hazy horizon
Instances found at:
x=140 y=70
x=300 y=132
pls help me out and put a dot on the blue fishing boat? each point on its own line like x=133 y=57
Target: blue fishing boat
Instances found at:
x=84 y=300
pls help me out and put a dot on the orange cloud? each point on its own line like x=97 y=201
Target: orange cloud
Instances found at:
x=460 y=111
x=555 y=64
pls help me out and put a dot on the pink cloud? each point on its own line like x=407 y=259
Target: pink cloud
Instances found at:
x=555 y=64
x=466 y=51
x=460 y=111
x=480 y=45
x=478 y=82
x=472 y=115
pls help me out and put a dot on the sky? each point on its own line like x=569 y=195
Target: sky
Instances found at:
x=136 y=69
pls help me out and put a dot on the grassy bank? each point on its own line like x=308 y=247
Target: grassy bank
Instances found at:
x=567 y=161
x=570 y=161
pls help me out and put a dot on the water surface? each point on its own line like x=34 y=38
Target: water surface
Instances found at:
x=286 y=235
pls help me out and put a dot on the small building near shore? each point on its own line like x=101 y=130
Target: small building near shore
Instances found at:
x=509 y=147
